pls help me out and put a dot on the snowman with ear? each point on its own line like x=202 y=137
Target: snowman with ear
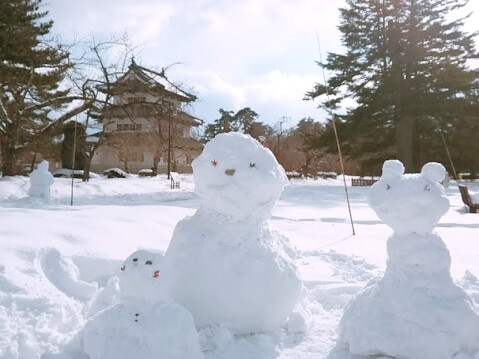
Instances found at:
x=144 y=324
x=224 y=263
x=415 y=310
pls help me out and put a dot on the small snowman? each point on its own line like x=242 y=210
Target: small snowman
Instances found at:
x=224 y=263
x=415 y=310
x=143 y=324
x=40 y=181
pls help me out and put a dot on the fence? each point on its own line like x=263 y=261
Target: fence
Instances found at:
x=363 y=181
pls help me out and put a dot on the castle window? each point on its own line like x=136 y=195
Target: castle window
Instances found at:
x=136 y=99
x=136 y=127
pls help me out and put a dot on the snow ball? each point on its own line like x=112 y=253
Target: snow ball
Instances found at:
x=392 y=169
x=236 y=176
x=410 y=203
x=126 y=331
x=140 y=276
x=434 y=172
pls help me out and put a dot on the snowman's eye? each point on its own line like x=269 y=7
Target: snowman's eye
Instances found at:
x=135 y=259
x=214 y=163
x=149 y=262
x=388 y=187
x=252 y=165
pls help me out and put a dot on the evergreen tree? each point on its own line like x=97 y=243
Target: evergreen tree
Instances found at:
x=32 y=70
x=245 y=121
x=406 y=67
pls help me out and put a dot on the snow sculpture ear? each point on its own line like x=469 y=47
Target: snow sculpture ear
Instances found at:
x=433 y=172
x=392 y=169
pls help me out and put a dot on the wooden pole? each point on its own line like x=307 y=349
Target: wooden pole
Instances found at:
x=447 y=150
x=73 y=159
x=333 y=119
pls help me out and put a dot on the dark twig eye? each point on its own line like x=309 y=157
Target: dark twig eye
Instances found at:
x=388 y=187
x=214 y=163
x=135 y=259
x=149 y=262
x=252 y=165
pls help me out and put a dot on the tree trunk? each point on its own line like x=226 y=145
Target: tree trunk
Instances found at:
x=86 y=168
x=34 y=159
x=405 y=142
x=9 y=159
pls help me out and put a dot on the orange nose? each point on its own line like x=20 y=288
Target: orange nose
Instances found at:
x=230 y=172
x=156 y=274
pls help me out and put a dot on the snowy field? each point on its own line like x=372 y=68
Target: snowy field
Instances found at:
x=54 y=258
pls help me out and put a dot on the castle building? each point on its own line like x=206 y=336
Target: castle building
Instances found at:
x=146 y=126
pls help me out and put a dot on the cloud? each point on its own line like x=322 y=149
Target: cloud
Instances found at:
x=256 y=53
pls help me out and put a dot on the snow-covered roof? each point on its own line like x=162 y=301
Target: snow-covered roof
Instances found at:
x=151 y=79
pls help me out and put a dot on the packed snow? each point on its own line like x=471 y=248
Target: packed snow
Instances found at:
x=61 y=292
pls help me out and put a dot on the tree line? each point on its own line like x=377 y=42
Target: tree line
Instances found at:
x=408 y=67
x=407 y=74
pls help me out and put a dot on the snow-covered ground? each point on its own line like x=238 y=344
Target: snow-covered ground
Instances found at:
x=54 y=257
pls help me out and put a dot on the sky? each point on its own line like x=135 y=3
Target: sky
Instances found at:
x=232 y=54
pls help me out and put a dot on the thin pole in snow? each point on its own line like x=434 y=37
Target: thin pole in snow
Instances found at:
x=73 y=159
x=447 y=150
x=333 y=120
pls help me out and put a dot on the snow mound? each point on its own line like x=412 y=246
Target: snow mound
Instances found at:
x=225 y=265
x=63 y=274
x=415 y=310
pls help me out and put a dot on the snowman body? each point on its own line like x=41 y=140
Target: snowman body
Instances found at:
x=415 y=310
x=226 y=266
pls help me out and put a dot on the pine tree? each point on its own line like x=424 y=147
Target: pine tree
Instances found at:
x=32 y=71
x=406 y=67
x=245 y=121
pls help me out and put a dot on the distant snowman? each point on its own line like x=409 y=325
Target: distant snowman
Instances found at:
x=40 y=181
x=415 y=310
x=143 y=324
x=225 y=265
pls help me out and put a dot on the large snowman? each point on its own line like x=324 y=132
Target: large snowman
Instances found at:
x=143 y=324
x=226 y=266
x=415 y=310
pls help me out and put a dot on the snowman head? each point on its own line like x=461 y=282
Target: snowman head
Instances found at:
x=43 y=166
x=140 y=275
x=411 y=203
x=236 y=176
